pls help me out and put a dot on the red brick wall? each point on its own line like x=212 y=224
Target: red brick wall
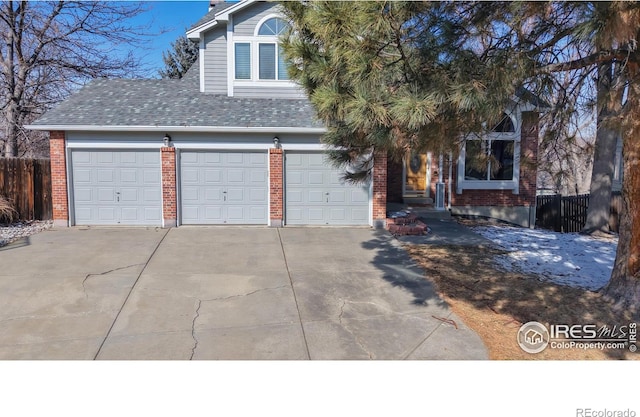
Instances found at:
x=380 y=189
x=57 y=150
x=169 y=199
x=528 y=174
x=276 y=191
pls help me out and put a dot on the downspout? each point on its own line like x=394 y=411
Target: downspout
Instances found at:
x=449 y=184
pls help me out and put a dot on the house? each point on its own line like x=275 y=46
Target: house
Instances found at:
x=236 y=142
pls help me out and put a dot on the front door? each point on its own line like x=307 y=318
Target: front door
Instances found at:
x=416 y=175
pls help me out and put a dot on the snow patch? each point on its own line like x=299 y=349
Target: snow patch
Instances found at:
x=564 y=258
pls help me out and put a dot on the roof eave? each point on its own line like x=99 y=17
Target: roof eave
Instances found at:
x=193 y=129
x=195 y=32
x=223 y=16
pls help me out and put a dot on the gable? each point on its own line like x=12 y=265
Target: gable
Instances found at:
x=260 y=71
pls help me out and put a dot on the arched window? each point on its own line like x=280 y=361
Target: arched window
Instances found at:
x=259 y=57
x=273 y=27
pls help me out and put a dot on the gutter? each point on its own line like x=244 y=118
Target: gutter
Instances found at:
x=195 y=129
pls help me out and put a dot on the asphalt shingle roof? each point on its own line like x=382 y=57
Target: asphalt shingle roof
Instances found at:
x=219 y=7
x=154 y=102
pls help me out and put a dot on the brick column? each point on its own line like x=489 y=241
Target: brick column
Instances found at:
x=59 y=195
x=169 y=203
x=379 y=190
x=529 y=157
x=276 y=190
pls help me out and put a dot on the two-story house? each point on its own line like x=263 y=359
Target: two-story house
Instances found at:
x=236 y=142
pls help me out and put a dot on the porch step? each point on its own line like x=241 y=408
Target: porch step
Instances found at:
x=431 y=213
x=417 y=200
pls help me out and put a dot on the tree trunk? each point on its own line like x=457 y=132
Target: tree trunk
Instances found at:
x=603 y=159
x=624 y=286
x=11 y=144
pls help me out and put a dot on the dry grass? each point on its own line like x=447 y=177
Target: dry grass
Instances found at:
x=495 y=303
x=7 y=213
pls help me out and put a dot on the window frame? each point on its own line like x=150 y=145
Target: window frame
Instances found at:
x=255 y=41
x=492 y=184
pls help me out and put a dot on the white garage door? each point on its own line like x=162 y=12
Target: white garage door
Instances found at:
x=223 y=187
x=117 y=187
x=315 y=195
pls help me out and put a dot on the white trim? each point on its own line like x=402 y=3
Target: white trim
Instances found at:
x=231 y=60
x=513 y=184
x=303 y=147
x=265 y=83
x=190 y=146
x=88 y=144
x=201 y=54
x=223 y=16
x=269 y=186
x=195 y=33
x=201 y=129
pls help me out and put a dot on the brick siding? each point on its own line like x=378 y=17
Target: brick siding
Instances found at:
x=276 y=190
x=379 y=189
x=169 y=198
x=59 y=196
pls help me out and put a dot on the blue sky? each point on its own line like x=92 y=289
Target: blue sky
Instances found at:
x=172 y=18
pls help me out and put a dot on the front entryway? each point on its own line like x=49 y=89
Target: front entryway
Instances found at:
x=218 y=187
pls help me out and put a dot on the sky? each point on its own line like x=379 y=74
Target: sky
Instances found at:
x=170 y=18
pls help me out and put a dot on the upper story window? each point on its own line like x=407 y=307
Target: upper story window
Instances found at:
x=260 y=58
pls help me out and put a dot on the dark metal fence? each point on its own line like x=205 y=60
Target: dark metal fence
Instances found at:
x=569 y=213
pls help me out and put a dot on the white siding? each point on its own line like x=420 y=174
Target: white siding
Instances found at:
x=215 y=61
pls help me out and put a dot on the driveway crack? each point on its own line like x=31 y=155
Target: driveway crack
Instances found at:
x=193 y=330
x=356 y=338
x=246 y=294
x=84 y=281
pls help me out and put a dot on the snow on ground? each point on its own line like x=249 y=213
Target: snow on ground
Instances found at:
x=564 y=258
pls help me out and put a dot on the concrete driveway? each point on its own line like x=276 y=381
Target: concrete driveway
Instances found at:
x=222 y=293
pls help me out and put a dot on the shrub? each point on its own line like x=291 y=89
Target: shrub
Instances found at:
x=7 y=213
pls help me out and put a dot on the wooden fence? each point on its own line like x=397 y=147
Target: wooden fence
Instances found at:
x=26 y=183
x=569 y=213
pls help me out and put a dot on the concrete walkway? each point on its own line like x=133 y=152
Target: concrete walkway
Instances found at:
x=222 y=293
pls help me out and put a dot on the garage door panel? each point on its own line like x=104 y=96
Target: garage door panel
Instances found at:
x=315 y=178
x=106 y=214
x=212 y=176
x=128 y=175
x=116 y=187
x=105 y=175
x=84 y=194
x=212 y=213
x=338 y=214
x=233 y=187
x=315 y=194
x=106 y=195
x=235 y=176
x=130 y=195
x=82 y=176
x=105 y=158
x=212 y=196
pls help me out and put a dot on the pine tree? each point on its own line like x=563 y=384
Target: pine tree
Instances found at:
x=394 y=76
x=179 y=58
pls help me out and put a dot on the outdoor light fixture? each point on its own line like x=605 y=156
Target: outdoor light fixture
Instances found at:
x=276 y=142
x=167 y=140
